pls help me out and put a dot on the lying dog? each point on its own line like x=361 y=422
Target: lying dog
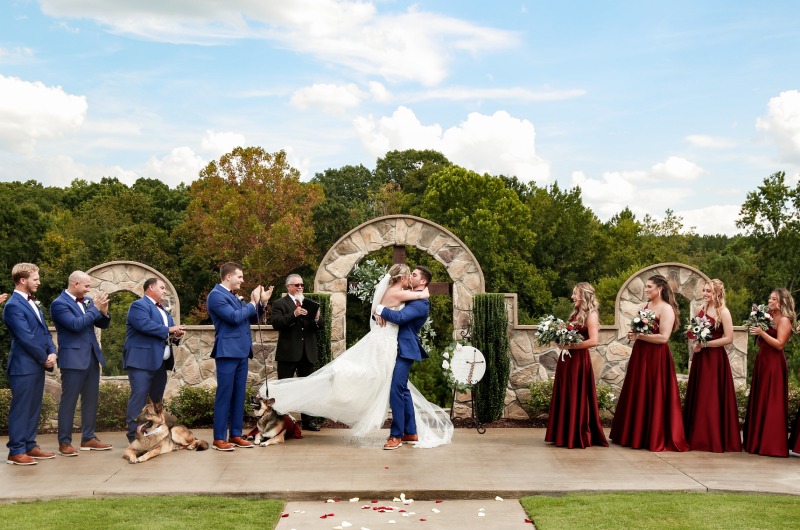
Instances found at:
x=271 y=427
x=157 y=433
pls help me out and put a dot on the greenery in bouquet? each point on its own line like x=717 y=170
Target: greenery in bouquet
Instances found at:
x=365 y=277
x=699 y=329
x=546 y=329
x=447 y=359
x=759 y=317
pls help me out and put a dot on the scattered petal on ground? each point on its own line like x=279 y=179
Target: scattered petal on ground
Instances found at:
x=284 y=515
x=354 y=499
x=437 y=501
x=481 y=514
x=498 y=498
x=391 y=521
x=345 y=524
x=435 y=510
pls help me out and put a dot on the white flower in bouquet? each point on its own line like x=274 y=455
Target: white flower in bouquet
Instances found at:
x=445 y=365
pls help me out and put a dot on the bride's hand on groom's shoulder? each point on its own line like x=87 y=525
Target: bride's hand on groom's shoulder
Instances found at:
x=424 y=294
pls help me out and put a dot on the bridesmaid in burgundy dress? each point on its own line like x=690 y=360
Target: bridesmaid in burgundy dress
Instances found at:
x=710 y=414
x=765 y=430
x=574 y=415
x=648 y=414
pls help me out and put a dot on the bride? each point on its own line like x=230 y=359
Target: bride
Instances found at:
x=354 y=388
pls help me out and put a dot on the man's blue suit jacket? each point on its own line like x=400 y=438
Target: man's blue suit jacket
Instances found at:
x=31 y=341
x=146 y=336
x=410 y=319
x=77 y=343
x=232 y=318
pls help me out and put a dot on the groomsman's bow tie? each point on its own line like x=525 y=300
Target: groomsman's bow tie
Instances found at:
x=31 y=297
x=79 y=299
x=158 y=305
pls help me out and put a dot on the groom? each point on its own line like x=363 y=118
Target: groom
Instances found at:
x=409 y=349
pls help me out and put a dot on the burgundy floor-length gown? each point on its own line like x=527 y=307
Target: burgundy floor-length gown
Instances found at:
x=710 y=415
x=574 y=414
x=648 y=414
x=765 y=430
x=794 y=438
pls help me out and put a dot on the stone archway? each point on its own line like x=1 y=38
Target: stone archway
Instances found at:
x=684 y=280
x=130 y=276
x=462 y=267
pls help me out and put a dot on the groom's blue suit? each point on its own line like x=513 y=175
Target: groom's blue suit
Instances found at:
x=409 y=349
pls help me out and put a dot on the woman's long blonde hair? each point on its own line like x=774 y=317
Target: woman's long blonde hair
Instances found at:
x=397 y=272
x=787 y=306
x=717 y=299
x=587 y=304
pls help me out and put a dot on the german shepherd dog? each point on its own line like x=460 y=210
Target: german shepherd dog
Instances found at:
x=271 y=426
x=157 y=433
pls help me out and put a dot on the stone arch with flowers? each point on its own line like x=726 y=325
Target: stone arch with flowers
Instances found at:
x=390 y=230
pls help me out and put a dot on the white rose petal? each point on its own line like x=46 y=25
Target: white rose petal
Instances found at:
x=345 y=524
x=481 y=514
x=434 y=510
x=391 y=521
x=498 y=498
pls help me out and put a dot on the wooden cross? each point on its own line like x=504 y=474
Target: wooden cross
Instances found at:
x=399 y=256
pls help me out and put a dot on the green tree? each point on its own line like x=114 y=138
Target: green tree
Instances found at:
x=251 y=207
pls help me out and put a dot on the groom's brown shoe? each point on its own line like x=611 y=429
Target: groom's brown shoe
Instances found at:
x=392 y=443
x=410 y=439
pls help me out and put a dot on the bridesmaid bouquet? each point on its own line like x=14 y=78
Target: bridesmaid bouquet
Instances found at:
x=699 y=329
x=644 y=322
x=552 y=329
x=759 y=317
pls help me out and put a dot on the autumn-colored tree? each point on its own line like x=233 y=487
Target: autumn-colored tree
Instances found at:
x=251 y=207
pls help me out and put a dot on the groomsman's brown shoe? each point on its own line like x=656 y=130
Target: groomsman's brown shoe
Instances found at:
x=21 y=460
x=67 y=450
x=410 y=439
x=392 y=443
x=238 y=441
x=38 y=454
x=222 y=445
x=94 y=445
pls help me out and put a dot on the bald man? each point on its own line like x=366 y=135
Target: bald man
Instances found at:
x=75 y=316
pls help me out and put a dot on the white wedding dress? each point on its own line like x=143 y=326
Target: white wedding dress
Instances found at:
x=354 y=389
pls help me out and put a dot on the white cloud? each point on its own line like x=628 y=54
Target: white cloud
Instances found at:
x=717 y=219
x=410 y=45
x=496 y=144
x=782 y=124
x=716 y=142
x=217 y=144
x=180 y=165
x=676 y=168
x=379 y=92
x=59 y=170
x=329 y=98
x=32 y=111
x=15 y=55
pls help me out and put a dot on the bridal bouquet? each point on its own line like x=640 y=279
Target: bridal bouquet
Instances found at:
x=759 y=317
x=699 y=329
x=644 y=322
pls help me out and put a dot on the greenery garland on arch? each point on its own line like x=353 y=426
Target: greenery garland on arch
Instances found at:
x=490 y=336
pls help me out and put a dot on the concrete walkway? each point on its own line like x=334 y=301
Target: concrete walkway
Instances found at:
x=506 y=463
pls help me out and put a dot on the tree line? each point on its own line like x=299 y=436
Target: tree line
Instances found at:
x=250 y=206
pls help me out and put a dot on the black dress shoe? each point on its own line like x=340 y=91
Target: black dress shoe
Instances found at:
x=308 y=426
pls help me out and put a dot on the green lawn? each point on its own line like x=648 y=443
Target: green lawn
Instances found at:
x=663 y=510
x=143 y=512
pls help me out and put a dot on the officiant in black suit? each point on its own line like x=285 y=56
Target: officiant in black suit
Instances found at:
x=297 y=335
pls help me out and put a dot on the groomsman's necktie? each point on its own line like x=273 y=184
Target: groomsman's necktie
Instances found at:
x=297 y=303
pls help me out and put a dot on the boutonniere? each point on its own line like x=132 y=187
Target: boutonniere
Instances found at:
x=38 y=303
x=240 y=298
x=86 y=303
x=168 y=309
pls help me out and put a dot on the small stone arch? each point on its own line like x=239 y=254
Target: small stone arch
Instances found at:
x=130 y=276
x=462 y=267
x=684 y=280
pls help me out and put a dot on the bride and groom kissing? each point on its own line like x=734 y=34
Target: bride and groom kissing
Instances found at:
x=359 y=386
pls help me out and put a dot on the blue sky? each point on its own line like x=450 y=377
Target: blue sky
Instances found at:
x=685 y=105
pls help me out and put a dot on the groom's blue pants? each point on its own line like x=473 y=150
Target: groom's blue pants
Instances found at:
x=403 y=421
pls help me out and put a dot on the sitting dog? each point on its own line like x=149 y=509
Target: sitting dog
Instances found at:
x=271 y=427
x=157 y=433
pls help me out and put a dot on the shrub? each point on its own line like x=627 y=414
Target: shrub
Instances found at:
x=49 y=409
x=193 y=406
x=541 y=394
x=606 y=399
x=490 y=336
x=112 y=406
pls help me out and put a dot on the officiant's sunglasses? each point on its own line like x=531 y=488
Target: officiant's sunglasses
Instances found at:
x=296 y=284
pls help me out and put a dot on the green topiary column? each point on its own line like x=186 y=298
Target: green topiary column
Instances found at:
x=490 y=336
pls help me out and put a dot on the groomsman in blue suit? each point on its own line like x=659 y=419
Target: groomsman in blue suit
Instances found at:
x=233 y=346
x=32 y=352
x=147 y=354
x=409 y=349
x=75 y=316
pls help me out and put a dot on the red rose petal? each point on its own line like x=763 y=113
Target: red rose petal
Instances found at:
x=323 y=517
x=330 y=515
x=373 y=502
x=284 y=515
x=528 y=521
x=423 y=519
x=437 y=502
x=386 y=467
x=402 y=511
